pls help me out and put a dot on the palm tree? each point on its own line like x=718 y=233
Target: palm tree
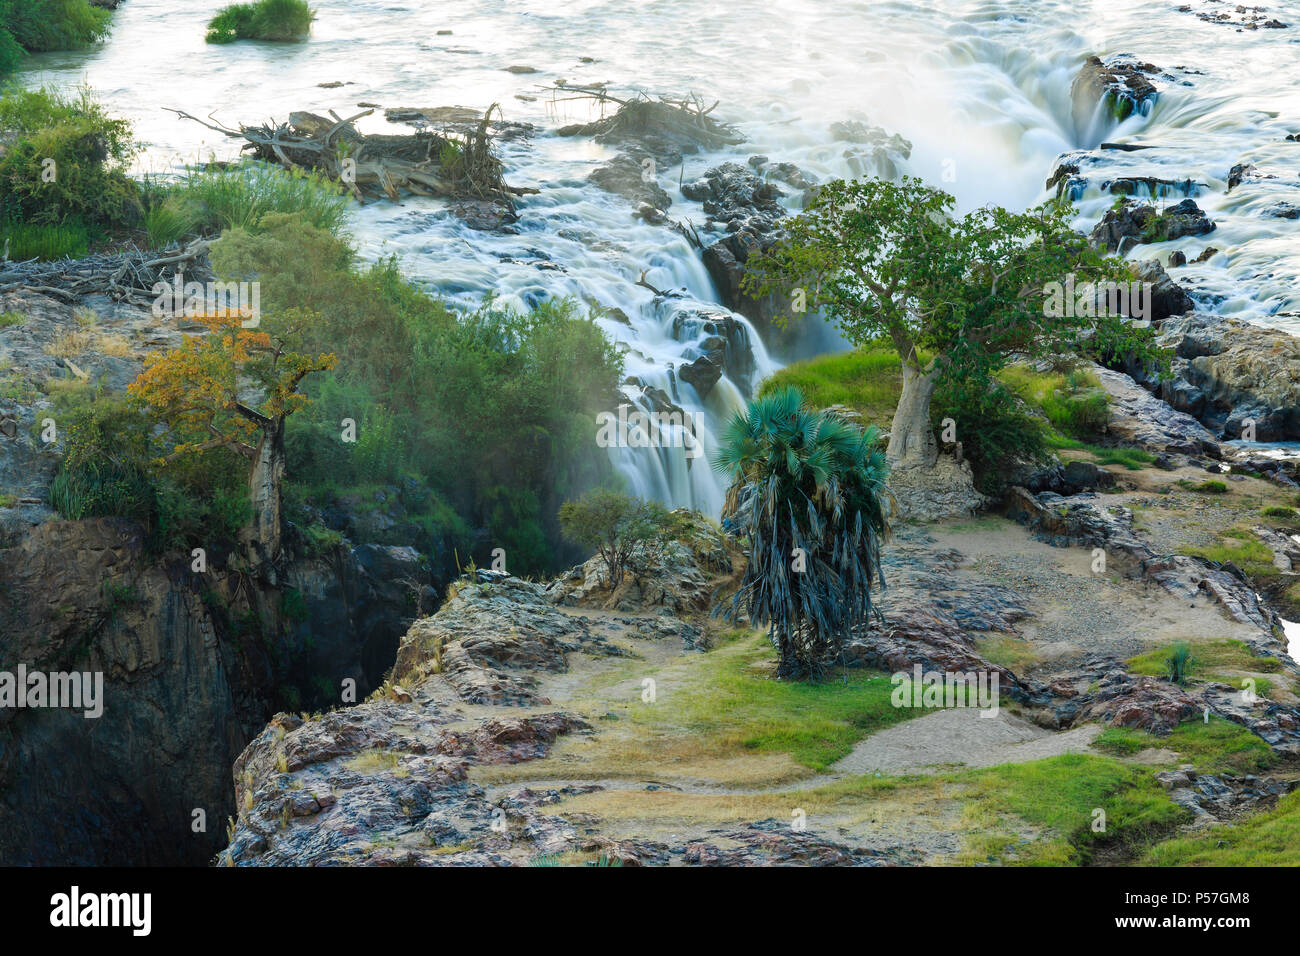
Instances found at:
x=807 y=490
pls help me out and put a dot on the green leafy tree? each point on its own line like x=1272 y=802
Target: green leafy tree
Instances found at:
x=807 y=490
x=958 y=296
x=628 y=533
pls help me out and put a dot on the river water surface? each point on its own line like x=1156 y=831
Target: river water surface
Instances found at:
x=981 y=89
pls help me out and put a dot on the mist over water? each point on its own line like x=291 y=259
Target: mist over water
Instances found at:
x=981 y=89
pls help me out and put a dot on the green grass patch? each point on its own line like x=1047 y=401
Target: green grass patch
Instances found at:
x=1210 y=487
x=1074 y=401
x=1010 y=652
x=1063 y=793
x=1241 y=547
x=1266 y=839
x=32 y=241
x=868 y=381
x=736 y=701
x=9 y=319
x=1219 y=746
x=1277 y=511
x=1211 y=661
x=1134 y=459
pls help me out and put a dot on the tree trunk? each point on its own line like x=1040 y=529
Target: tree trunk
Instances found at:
x=911 y=439
x=264 y=492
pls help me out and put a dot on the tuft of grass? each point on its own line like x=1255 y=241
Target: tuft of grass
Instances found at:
x=1212 y=487
x=1277 y=511
x=9 y=319
x=277 y=20
x=1178 y=664
x=171 y=220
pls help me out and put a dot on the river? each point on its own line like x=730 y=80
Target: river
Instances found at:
x=981 y=89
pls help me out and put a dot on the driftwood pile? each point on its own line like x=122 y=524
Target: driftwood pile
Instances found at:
x=682 y=122
x=454 y=164
x=124 y=276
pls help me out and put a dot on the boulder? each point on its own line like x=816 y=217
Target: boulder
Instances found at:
x=1133 y=223
x=1121 y=84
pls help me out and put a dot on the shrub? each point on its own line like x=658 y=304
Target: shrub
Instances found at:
x=88 y=149
x=264 y=20
x=1211 y=488
x=44 y=25
x=624 y=531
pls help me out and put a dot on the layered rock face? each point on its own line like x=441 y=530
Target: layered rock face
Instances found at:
x=1231 y=374
x=188 y=679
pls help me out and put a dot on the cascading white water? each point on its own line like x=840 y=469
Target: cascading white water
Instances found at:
x=980 y=87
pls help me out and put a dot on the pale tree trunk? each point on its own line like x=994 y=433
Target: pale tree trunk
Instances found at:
x=911 y=439
x=264 y=491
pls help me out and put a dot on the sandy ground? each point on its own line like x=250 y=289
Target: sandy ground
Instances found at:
x=961 y=738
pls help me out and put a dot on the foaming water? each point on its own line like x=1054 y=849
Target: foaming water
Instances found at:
x=981 y=89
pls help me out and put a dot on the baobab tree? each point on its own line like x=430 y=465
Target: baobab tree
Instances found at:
x=957 y=296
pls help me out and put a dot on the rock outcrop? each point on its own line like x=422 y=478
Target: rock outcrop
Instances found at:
x=1231 y=375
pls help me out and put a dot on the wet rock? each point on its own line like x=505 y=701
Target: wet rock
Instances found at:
x=485 y=215
x=1120 y=84
x=624 y=176
x=1166 y=296
x=703 y=374
x=721 y=339
x=1137 y=223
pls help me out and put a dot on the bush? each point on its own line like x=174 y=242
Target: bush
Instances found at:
x=1211 y=488
x=626 y=532
x=44 y=25
x=264 y=20
x=88 y=149
x=997 y=434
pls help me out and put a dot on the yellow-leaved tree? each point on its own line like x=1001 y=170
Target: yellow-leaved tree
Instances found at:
x=233 y=388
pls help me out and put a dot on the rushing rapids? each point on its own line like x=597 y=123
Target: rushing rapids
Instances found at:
x=988 y=94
